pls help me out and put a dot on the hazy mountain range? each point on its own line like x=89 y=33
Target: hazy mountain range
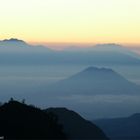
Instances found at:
x=127 y=128
x=31 y=72
x=14 y=51
x=91 y=91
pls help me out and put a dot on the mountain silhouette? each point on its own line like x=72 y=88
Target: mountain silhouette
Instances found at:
x=127 y=128
x=20 y=121
x=15 y=51
x=17 y=45
x=76 y=127
x=103 y=54
x=13 y=42
x=18 y=52
x=93 y=81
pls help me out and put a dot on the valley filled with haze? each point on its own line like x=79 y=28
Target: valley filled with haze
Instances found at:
x=70 y=69
x=99 y=81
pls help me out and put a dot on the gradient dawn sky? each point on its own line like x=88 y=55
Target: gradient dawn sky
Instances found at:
x=71 y=21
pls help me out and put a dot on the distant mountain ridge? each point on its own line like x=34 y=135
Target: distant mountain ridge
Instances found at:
x=108 y=47
x=127 y=128
x=98 y=47
x=12 y=42
x=101 y=54
x=19 y=45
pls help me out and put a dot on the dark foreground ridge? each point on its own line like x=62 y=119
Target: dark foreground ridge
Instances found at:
x=21 y=121
x=77 y=127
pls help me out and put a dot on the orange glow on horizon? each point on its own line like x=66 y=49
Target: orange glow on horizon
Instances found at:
x=71 y=21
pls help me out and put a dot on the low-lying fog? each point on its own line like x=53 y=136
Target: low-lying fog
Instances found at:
x=24 y=79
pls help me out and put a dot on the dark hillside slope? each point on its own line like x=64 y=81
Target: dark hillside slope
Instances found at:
x=76 y=127
x=19 y=121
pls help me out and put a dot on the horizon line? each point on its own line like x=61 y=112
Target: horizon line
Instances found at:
x=72 y=44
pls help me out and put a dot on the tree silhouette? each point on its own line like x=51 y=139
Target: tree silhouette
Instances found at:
x=23 y=101
x=11 y=99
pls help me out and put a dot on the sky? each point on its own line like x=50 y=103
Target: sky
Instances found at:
x=71 y=21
